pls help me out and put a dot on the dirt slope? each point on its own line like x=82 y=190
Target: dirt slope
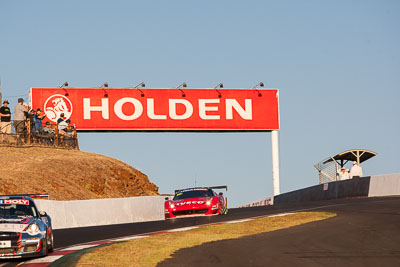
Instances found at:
x=69 y=174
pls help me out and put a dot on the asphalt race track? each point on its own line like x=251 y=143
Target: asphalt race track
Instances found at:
x=68 y=237
x=366 y=232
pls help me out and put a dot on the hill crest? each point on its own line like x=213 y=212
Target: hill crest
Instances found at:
x=69 y=174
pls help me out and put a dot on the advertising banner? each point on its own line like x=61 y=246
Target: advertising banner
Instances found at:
x=122 y=109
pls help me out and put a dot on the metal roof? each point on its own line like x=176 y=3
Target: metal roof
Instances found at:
x=358 y=155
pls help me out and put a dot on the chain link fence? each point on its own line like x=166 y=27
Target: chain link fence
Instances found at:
x=327 y=170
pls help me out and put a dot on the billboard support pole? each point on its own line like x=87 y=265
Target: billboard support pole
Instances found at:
x=275 y=162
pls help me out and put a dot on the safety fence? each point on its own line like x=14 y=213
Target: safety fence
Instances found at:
x=27 y=133
x=327 y=171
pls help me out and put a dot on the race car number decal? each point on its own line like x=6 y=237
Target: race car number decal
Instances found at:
x=189 y=202
x=14 y=201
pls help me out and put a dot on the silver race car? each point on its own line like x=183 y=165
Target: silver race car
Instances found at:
x=24 y=232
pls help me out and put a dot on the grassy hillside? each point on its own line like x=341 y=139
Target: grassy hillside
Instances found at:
x=69 y=174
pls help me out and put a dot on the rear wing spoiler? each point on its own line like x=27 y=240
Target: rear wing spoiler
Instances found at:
x=220 y=187
x=210 y=187
x=28 y=195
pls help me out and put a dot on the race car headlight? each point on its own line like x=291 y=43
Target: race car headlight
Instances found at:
x=208 y=203
x=33 y=229
x=172 y=205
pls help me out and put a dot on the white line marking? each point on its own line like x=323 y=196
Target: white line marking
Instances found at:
x=128 y=238
x=182 y=229
x=281 y=214
x=239 y=221
x=45 y=259
x=81 y=247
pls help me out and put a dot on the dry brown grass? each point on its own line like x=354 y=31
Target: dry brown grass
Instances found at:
x=69 y=174
x=151 y=250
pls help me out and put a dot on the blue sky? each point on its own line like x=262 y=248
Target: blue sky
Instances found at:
x=336 y=64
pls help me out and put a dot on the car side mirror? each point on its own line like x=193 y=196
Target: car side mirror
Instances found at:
x=167 y=198
x=43 y=214
x=221 y=194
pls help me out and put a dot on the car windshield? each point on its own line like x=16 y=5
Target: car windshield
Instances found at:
x=194 y=194
x=16 y=210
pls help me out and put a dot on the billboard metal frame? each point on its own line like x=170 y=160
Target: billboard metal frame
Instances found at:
x=274 y=132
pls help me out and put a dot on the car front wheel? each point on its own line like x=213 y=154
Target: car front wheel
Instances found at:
x=50 y=243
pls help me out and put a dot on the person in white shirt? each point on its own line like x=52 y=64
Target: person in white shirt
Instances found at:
x=343 y=174
x=356 y=171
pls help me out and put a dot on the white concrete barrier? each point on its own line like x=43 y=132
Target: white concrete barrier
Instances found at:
x=384 y=185
x=92 y=212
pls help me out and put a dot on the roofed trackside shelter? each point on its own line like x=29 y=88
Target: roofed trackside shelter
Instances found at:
x=358 y=155
x=327 y=169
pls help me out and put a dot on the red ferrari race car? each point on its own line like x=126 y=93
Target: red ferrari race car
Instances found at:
x=196 y=201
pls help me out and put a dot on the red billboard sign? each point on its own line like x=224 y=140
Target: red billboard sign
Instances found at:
x=97 y=109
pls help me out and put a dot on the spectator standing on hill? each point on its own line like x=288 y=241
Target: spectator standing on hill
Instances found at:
x=26 y=111
x=38 y=119
x=356 y=171
x=5 y=115
x=32 y=120
x=19 y=117
x=26 y=114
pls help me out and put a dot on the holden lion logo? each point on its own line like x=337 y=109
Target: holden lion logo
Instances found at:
x=57 y=104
